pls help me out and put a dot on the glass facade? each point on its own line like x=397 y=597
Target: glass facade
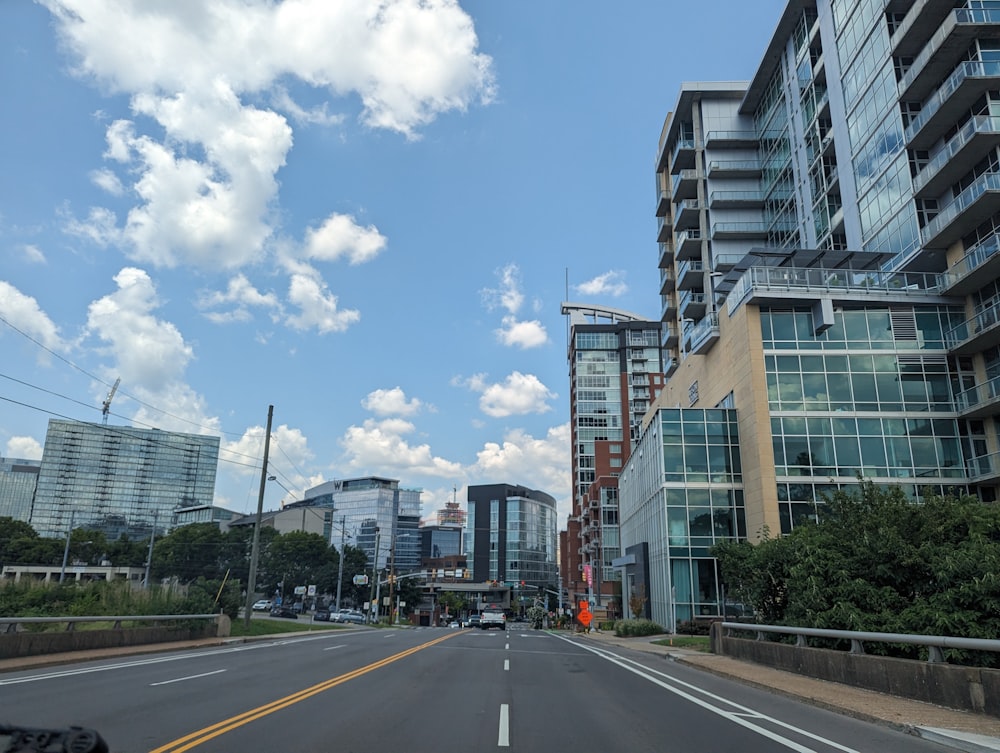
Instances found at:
x=682 y=492
x=18 y=479
x=870 y=396
x=120 y=480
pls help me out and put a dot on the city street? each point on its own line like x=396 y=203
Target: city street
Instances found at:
x=429 y=689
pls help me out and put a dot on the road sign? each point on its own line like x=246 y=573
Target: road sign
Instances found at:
x=361 y=580
x=585 y=617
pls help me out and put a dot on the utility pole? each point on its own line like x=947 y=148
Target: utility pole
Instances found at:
x=149 y=555
x=373 y=596
x=255 y=549
x=340 y=569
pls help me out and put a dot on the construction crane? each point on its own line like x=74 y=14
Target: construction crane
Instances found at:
x=107 y=401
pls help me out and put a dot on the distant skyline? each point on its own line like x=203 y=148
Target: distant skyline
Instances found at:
x=366 y=219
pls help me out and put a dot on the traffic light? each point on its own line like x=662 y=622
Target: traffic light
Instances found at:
x=522 y=582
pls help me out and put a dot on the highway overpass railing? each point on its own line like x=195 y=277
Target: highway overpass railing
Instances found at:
x=33 y=636
x=968 y=688
x=933 y=643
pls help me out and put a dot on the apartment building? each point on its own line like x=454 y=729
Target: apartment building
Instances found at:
x=828 y=234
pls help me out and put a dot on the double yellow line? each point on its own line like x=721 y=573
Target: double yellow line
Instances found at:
x=220 y=728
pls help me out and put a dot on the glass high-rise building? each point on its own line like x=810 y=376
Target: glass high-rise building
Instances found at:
x=616 y=369
x=119 y=479
x=511 y=535
x=829 y=233
x=378 y=517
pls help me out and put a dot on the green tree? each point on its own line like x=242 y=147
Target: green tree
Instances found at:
x=296 y=559
x=454 y=603
x=879 y=562
x=190 y=552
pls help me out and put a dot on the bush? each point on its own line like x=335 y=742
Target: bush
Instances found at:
x=636 y=628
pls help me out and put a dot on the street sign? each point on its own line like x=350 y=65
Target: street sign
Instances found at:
x=585 y=617
x=361 y=580
x=311 y=591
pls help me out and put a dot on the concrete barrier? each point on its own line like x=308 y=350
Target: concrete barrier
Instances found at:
x=974 y=689
x=30 y=643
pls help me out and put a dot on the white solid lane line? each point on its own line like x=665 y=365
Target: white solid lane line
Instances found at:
x=189 y=677
x=506 y=665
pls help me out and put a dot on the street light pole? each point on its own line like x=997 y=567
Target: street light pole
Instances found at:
x=69 y=535
x=340 y=569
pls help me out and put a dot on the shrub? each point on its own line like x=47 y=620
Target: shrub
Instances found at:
x=636 y=628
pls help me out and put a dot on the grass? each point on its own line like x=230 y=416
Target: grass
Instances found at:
x=264 y=626
x=699 y=642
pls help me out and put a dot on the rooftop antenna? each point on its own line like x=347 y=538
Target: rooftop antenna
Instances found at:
x=107 y=401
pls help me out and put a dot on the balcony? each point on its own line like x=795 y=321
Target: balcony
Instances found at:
x=689 y=244
x=740 y=230
x=662 y=203
x=736 y=200
x=668 y=308
x=974 y=205
x=667 y=281
x=734 y=169
x=955 y=96
x=958 y=156
x=980 y=401
x=725 y=262
x=976 y=334
x=691 y=275
x=950 y=43
x=984 y=468
x=666 y=255
x=664 y=229
x=923 y=17
x=692 y=305
x=731 y=140
x=983 y=258
x=670 y=336
x=702 y=336
x=687 y=214
x=682 y=157
x=685 y=185
x=669 y=365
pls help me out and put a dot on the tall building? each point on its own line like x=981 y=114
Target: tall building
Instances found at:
x=511 y=535
x=828 y=251
x=616 y=371
x=18 y=479
x=377 y=515
x=120 y=480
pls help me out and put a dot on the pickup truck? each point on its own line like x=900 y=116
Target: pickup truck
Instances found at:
x=493 y=618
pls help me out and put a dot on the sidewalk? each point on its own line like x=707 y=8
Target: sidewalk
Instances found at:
x=975 y=733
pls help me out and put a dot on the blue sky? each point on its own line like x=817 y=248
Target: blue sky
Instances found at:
x=366 y=214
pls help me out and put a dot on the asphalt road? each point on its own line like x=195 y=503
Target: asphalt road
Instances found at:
x=435 y=690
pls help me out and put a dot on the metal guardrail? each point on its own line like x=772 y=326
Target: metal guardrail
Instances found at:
x=12 y=623
x=933 y=643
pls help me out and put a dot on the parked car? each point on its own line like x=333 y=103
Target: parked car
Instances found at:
x=322 y=615
x=263 y=605
x=284 y=612
x=348 y=615
x=453 y=624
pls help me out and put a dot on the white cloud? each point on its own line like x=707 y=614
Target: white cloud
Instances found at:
x=238 y=298
x=204 y=169
x=522 y=334
x=100 y=227
x=340 y=236
x=391 y=403
x=107 y=181
x=147 y=351
x=317 y=306
x=22 y=311
x=518 y=394
x=24 y=448
x=33 y=254
x=381 y=447
x=610 y=283
x=538 y=463
x=508 y=293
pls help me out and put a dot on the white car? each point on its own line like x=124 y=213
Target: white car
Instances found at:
x=264 y=605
